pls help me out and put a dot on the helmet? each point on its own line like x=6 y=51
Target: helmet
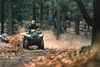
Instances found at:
x=33 y=22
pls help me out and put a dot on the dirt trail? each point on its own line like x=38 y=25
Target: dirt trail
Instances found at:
x=66 y=40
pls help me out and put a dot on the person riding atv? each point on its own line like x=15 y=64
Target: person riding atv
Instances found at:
x=33 y=25
x=33 y=37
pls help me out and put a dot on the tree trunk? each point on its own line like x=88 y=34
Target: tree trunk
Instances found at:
x=50 y=12
x=19 y=18
x=10 y=19
x=77 y=27
x=96 y=23
x=41 y=12
x=2 y=16
x=58 y=21
x=54 y=19
x=84 y=13
x=34 y=11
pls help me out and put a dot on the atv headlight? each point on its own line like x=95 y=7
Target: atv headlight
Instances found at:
x=33 y=30
x=40 y=35
x=28 y=35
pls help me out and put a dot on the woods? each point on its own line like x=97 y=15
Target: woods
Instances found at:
x=62 y=14
x=39 y=10
x=68 y=32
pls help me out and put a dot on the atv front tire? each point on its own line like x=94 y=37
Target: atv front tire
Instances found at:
x=41 y=45
x=25 y=43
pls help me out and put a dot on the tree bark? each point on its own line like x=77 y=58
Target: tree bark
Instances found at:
x=41 y=12
x=96 y=23
x=19 y=18
x=77 y=24
x=2 y=16
x=10 y=19
x=86 y=17
x=58 y=21
x=34 y=11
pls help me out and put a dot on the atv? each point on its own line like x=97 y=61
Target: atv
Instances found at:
x=31 y=38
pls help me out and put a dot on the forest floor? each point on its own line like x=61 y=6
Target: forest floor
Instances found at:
x=10 y=57
x=67 y=40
